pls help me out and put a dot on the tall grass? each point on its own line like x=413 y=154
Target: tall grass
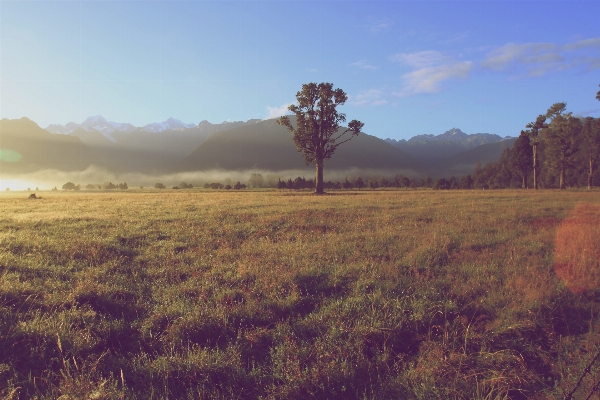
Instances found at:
x=367 y=295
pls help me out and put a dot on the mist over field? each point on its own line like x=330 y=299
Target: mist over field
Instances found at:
x=50 y=178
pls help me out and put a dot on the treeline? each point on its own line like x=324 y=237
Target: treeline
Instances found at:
x=557 y=150
x=95 y=186
x=374 y=182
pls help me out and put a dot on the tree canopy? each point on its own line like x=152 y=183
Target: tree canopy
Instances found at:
x=317 y=133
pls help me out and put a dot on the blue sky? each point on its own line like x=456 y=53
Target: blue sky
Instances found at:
x=408 y=67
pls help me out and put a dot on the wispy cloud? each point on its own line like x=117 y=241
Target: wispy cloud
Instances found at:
x=421 y=59
x=585 y=113
x=379 y=25
x=371 y=97
x=432 y=69
x=275 y=112
x=363 y=64
x=538 y=59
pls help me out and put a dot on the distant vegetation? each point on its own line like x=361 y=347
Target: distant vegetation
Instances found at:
x=557 y=150
x=91 y=186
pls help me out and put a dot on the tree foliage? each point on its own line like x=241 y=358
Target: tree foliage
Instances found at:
x=317 y=133
x=563 y=139
x=521 y=156
x=591 y=137
x=568 y=148
x=256 y=181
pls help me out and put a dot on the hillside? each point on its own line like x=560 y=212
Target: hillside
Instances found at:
x=40 y=149
x=154 y=148
x=253 y=144
x=268 y=145
x=464 y=162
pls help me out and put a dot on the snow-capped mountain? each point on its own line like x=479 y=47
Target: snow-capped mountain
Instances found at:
x=108 y=128
x=96 y=123
x=63 y=130
x=171 y=123
x=100 y=124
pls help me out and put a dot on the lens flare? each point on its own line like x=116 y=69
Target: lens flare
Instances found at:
x=9 y=155
x=577 y=249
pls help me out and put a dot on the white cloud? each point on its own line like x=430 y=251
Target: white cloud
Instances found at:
x=429 y=80
x=432 y=69
x=372 y=97
x=498 y=59
x=276 y=112
x=421 y=59
x=593 y=42
x=538 y=59
x=362 y=64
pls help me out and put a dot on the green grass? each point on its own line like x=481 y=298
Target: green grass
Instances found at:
x=366 y=295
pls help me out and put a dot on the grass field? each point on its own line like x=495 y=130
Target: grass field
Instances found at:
x=366 y=295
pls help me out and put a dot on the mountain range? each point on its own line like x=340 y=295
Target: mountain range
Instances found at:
x=173 y=146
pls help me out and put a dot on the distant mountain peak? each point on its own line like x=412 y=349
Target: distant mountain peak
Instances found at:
x=169 y=124
x=92 y=123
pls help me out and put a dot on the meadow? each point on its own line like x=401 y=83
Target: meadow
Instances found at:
x=412 y=294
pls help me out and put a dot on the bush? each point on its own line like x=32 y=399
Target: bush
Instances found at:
x=159 y=186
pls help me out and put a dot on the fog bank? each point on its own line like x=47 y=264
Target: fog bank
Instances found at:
x=50 y=178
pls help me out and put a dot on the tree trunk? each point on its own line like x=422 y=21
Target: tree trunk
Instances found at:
x=591 y=172
x=524 y=181
x=535 y=171
x=562 y=178
x=319 y=177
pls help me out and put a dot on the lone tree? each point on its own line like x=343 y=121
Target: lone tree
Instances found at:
x=317 y=133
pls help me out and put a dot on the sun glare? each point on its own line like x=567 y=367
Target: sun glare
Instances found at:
x=18 y=184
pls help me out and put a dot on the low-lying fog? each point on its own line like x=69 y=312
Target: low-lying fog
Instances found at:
x=49 y=178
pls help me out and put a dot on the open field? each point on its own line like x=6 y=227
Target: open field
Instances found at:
x=367 y=295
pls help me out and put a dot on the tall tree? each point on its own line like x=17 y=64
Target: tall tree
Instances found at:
x=317 y=133
x=591 y=135
x=598 y=95
x=533 y=130
x=520 y=157
x=563 y=139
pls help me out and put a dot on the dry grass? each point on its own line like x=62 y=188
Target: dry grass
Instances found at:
x=387 y=294
x=577 y=251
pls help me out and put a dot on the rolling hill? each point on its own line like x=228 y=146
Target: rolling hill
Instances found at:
x=39 y=149
x=268 y=145
x=464 y=162
x=253 y=144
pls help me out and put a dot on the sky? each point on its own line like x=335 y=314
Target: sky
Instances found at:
x=408 y=67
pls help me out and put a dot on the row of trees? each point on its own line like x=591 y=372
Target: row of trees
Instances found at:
x=374 y=182
x=91 y=186
x=217 y=185
x=558 y=149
